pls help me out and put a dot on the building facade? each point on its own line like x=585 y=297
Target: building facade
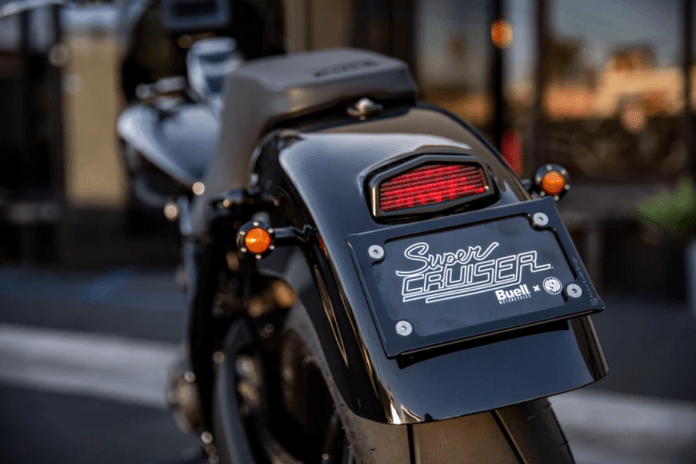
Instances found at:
x=598 y=86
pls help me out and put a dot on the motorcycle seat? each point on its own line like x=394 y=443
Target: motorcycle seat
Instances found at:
x=261 y=94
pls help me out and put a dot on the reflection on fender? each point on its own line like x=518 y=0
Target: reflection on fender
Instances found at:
x=449 y=275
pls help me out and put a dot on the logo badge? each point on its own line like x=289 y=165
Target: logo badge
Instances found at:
x=466 y=271
x=552 y=285
x=517 y=294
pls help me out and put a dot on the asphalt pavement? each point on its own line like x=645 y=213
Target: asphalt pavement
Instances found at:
x=84 y=359
x=83 y=366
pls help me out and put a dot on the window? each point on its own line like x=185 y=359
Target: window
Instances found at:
x=614 y=88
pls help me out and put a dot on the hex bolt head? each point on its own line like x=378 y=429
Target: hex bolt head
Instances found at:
x=540 y=219
x=376 y=252
x=404 y=328
x=364 y=104
x=207 y=437
x=364 y=107
x=574 y=291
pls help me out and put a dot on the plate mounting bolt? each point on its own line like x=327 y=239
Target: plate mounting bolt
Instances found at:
x=540 y=219
x=376 y=252
x=404 y=328
x=574 y=291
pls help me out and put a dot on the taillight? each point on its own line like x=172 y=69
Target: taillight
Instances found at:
x=431 y=184
x=428 y=183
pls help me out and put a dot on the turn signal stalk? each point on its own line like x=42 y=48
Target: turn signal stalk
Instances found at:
x=259 y=239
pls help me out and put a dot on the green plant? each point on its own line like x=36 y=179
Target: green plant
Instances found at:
x=671 y=211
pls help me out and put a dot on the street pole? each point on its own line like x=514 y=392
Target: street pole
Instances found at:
x=687 y=122
x=58 y=57
x=687 y=127
x=496 y=81
x=539 y=121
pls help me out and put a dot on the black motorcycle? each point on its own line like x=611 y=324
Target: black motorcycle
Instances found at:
x=368 y=280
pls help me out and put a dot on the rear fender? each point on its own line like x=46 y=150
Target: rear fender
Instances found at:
x=325 y=175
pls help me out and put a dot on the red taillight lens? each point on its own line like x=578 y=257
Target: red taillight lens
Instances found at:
x=430 y=184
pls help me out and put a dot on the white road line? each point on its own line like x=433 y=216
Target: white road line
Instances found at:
x=101 y=366
x=602 y=427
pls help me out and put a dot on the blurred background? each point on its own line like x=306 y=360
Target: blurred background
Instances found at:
x=605 y=88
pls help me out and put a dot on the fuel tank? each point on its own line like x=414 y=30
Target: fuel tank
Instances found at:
x=476 y=353
x=178 y=138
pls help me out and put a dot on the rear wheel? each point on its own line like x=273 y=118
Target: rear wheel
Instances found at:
x=323 y=430
x=310 y=398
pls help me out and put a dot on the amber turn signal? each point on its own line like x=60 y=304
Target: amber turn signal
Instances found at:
x=552 y=183
x=552 y=180
x=256 y=238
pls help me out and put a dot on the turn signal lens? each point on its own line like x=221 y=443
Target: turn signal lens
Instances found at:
x=553 y=183
x=552 y=180
x=257 y=240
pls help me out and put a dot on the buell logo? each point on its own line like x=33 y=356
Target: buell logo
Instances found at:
x=464 y=272
x=508 y=296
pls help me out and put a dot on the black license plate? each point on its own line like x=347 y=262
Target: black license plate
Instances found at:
x=475 y=274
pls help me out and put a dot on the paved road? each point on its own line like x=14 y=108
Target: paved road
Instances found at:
x=83 y=361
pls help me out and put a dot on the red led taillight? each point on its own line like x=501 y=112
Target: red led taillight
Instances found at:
x=431 y=184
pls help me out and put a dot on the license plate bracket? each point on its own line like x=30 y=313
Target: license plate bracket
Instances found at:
x=471 y=275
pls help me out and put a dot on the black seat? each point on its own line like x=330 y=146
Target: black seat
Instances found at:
x=265 y=92
x=262 y=93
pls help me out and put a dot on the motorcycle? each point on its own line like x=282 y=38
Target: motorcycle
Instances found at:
x=368 y=280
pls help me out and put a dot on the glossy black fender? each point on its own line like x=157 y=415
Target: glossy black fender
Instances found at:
x=321 y=183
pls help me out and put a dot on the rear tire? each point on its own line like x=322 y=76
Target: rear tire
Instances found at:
x=308 y=390
x=527 y=432
x=523 y=433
